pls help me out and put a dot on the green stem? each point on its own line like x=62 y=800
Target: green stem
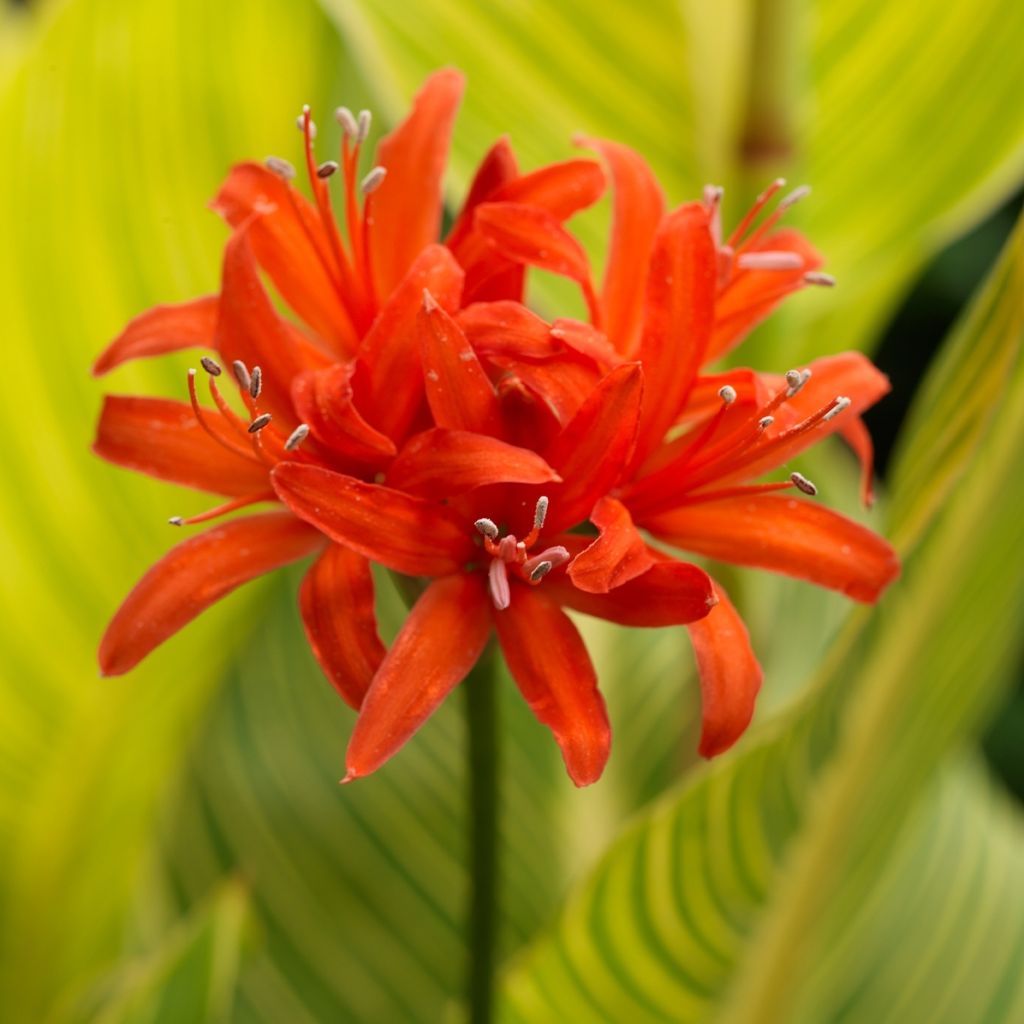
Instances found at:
x=481 y=923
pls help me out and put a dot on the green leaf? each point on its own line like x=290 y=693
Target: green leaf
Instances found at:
x=719 y=892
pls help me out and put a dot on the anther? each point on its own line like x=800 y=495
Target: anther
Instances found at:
x=327 y=168
x=255 y=382
x=801 y=483
x=487 y=528
x=296 y=437
x=279 y=166
x=727 y=393
x=363 y=125
x=259 y=423
x=176 y=521
x=542 y=569
x=300 y=123
x=241 y=373
x=765 y=422
x=344 y=117
x=796 y=380
x=820 y=279
x=540 y=513
x=842 y=402
x=373 y=180
x=802 y=192
x=713 y=195
x=769 y=260
x=210 y=366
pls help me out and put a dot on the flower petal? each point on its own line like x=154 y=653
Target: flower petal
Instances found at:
x=638 y=208
x=549 y=662
x=497 y=167
x=405 y=533
x=507 y=328
x=163 y=439
x=160 y=330
x=441 y=640
x=730 y=675
x=787 y=535
x=562 y=189
x=618 y=555
x=444 y=463
x=389 y=378
x=856 y=434
x=458 y=391
x=195 y=574
x=291 y=245
x=563 y=382
x=336 y=600
x=406 y=210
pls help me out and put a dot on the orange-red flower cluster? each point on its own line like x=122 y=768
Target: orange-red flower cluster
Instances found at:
x=412 y=412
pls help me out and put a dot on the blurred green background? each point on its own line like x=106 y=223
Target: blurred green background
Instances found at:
x=173 y=844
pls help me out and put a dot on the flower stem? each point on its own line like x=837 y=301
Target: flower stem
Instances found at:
x=482 y=917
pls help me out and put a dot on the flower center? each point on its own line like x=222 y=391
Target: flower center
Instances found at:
x=509 y=554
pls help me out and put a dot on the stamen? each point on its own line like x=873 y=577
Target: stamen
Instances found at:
x=540 y=513
x=373 y=180
x=759 y=204
x=176 y=521
x=801 y=483
x=327 y=168
x=210 y=366
x=241 y=373
x=281 y=167
x=796 y=379
x=842 y=402
x=363 y=125
x=801 y=192
x=727 y=393
x=255 y=382
x=487 y=528
x=259 y=423
x=300 y=122
x=508 y=548
x=497 y=582
x=820 y=279
x=296 y=437
x=765 y=422
x=769 y=260
x=542 y=569
x=713 y=196
x=344 y=117
x=552 y=557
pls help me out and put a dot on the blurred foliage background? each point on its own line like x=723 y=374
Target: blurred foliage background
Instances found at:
x=173 y=845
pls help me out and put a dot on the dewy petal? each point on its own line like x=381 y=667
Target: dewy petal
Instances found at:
x=195 y=574
x=290 y=244
x=507 y=328
x=458 y=391
x=160 y=330
x=389 y=379
x=730 y=675
x=336 y=600
x=563 y=382
x=406 y=211
x=441 y=640
x=638 y=208
x=497 y=167
x=164 y=439
x=618 y=555
x=445 y=463
x=786 y=535
x=678 y=314
x=402 y=532
x=549 y=662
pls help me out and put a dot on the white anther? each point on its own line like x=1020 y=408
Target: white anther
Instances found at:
x=796 y=379
x=842 y=402
x=327 y=168
x=300 y=123
x=713 y=195
x=255 y=382
x=801 y=483
x=540 y=513
x=487 y=528
x=344 y=117
x=279 y=166
x=241 y=372
x=553 y=556
x=541 y=570
x=802 y=192
x=211 y=366
x=296 y=437
x=373 y=180
x=363 y=125
x=820 y=279
x=176 y=521
x=259 y=423
x=765 y=422
x=727 y=393
x=769 y=260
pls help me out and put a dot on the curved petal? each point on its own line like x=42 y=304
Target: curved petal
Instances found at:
x=618 y=555
x=406 y=210
x=444 y=463
x=160 y=330
x=441 y=640
x=549 y=662
x=730 y=676
x=497 y=167
x=787 y=535
x=336 y=601
x=405 y=533
x=506 y=328
x=195 y=574
x=856 y=434
x=163 y=439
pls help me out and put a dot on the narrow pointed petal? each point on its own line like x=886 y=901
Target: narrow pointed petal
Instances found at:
x=549 y=662
x=160 y=330
x=406 y=211
x=856 y=434
x=195 y=574
x=618 y=555
x=787 y=535
x=250 y=329
x=678 y=315
x=323 y=400
x=562 y=189
x=497 y=167
x=730 y=676
x=445 y=463
x=441 y=640
x=593 y=449
x=389 y=379
x=163 y=439
x=460 y=395
x=290 y=244
x=402 y=532
x=638 y=207
x=336 y=600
